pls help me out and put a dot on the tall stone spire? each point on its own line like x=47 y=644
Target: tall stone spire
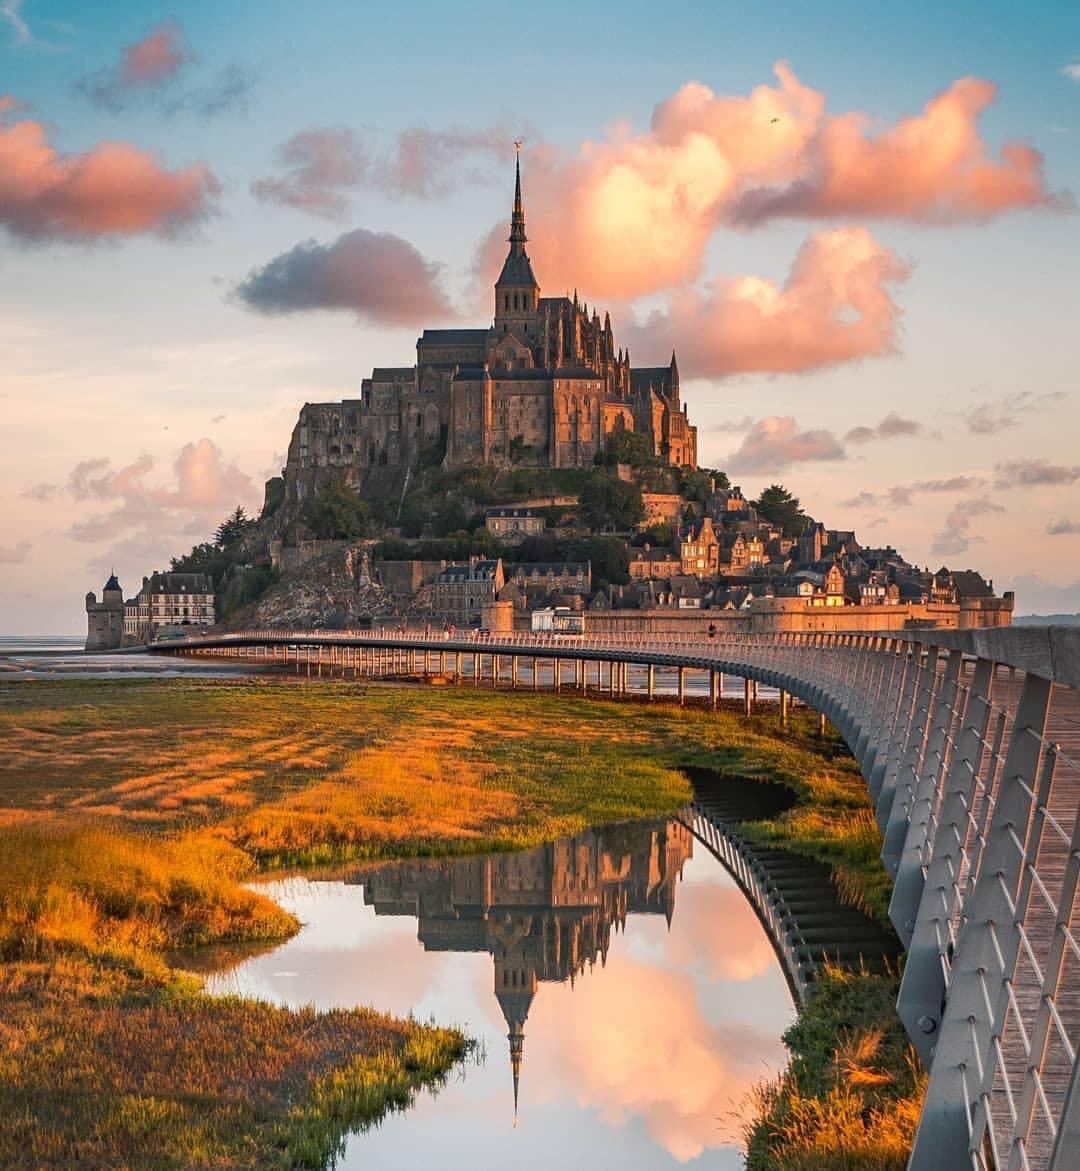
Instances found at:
x=517 y=291
x=517 y=218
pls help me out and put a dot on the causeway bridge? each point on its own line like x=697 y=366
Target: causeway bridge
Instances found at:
x=969 y=743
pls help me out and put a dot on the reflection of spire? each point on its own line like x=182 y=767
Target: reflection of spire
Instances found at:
x=516 y=1037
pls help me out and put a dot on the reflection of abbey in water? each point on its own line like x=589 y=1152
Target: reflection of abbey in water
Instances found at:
x=542 y=914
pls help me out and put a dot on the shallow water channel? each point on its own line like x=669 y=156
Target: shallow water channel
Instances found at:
x=618 y=983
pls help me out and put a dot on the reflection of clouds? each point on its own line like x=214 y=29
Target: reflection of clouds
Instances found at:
x=732 y=946
x=635 y=1043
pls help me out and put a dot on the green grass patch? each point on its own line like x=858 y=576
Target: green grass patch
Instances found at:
x=132 y=811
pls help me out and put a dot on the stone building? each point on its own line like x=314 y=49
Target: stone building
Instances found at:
x=544 y=385
x=699 y=550
x=513 y=524
x=462 y=589
x=105 y=619
x=169 y=601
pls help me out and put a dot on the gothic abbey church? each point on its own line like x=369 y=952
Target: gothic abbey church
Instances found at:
x=542 y=387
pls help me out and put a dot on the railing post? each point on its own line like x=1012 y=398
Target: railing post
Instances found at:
x=896 y=826
x=954 y=1112
x=908 y=887
x=922 y=990
x=893 y=734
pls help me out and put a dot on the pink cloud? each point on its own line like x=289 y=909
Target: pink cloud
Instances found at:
x=322 y=163
x=685 y=1080
x=204 y=487
x=774 y=442
x=933 y=167
x=113 y=189
x=956 y=534
x=834 y=307
x=144 y=66
x=632 y=214
x=739 y=953
x=157 y=57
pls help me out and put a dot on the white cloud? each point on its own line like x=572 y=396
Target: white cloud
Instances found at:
x=10 y=13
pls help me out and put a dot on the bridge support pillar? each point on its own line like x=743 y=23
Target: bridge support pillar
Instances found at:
x=714 y=690
x=748 y=698
x=457 y=666
x=682 y=686
x=477 y=668
x=535 y=672
x=494 y=672
x=785 y=716
x=556 y=673
x=514 y=665
x=652 y=681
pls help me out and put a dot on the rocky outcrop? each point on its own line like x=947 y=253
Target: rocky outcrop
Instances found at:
x=334 y=590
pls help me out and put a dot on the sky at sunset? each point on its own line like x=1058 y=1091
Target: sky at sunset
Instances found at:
x=857 y=222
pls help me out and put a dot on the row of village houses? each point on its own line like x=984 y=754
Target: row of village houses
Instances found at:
x=460 y=592
x=729 y=559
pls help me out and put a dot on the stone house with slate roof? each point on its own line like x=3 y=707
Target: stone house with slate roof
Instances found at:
x=542 y=386
x=461 y=589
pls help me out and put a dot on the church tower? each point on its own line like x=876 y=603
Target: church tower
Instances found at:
x=517 y=293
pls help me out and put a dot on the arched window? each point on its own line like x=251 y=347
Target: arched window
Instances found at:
x=506 y=301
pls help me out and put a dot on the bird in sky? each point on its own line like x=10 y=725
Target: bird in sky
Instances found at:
x=771 y=120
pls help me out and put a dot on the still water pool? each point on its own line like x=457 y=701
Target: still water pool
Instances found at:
x=618 y=983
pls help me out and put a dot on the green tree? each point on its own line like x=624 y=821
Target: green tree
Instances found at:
x=231 y=531
x=205 y=558
x=335 y=512
x=629 y=447
x=777 y=505
x=609 y=503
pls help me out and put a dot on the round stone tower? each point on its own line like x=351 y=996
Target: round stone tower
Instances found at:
x=105 y=619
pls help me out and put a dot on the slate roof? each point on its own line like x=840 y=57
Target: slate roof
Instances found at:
x=517 y=273
x=392 y=373
x=510 y=512
x=178 y=583
x=481 y=571
x=545 y=568
x=657 y=377
x=455 y=337
x=970 y=584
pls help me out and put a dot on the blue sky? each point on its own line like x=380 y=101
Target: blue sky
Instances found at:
x=127 y=344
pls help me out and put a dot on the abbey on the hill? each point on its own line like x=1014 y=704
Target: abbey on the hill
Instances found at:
x=543 y=387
